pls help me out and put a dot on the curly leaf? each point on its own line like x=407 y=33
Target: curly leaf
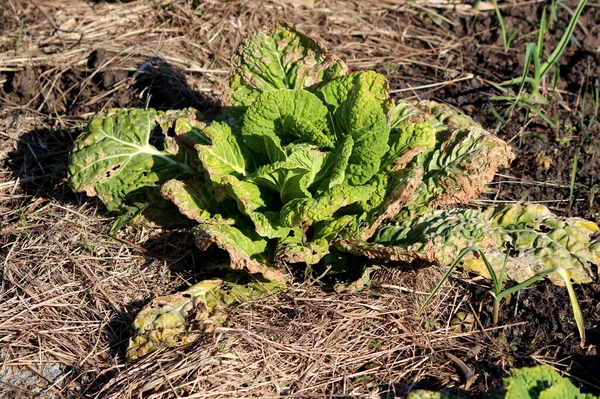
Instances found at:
x=295 y=249
x=255 y=203
x=284 y=178
x=341 y=90
x=543 y=240
x=278 y=117
x=182 y=318
x=114 y=160
x=280 y=58
x=291 y=178
x=360 y=106
x=342 y=157
x=540 y=382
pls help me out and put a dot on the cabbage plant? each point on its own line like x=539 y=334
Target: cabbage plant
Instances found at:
x=310 y=164
x=539 y=382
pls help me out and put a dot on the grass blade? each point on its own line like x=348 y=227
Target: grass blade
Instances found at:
x=527 y=282
x=433 y=293
x=541 y=34
x=19 y=37
x=495 y=280
x=573 y=176
x=564 y=40
x=574 y=304
x=502 y=24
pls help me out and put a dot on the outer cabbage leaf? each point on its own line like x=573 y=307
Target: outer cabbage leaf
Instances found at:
x=182 y=318
x=462 y=165
x=247 y=250
x=114 y=160
x=458 y=169
x=538 y=241
x=360 y=107
x=280 y=58
x=197 y=201
x=425 y=394
x=393 y=192
x=434 y=237
x=186 y=124
x=542 y=241
x=463 y=161
x=279 y=117
x=440 y=116
x=408 y=142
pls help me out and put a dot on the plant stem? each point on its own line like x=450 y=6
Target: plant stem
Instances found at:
x=496 y=311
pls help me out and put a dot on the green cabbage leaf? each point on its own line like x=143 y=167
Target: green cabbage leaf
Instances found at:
x=279 y=57
x=114 y=159
x=539 y=382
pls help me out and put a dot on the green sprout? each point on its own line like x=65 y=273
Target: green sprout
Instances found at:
x=529 y=95
x=498 y=293
x=19 y=37
x=507 y=38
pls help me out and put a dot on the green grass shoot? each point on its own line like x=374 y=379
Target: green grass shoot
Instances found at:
x=507 y=38
x=19 y=37
x=499 y=294
x=529 y=94
x=573 y=177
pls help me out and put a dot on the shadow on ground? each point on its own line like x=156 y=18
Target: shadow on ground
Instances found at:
x=41 y=158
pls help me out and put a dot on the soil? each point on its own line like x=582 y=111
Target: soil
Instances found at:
x=44 y=102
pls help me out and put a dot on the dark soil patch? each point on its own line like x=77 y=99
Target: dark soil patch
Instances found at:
x=545 y=330
x=156 y=84
x=546 y=155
